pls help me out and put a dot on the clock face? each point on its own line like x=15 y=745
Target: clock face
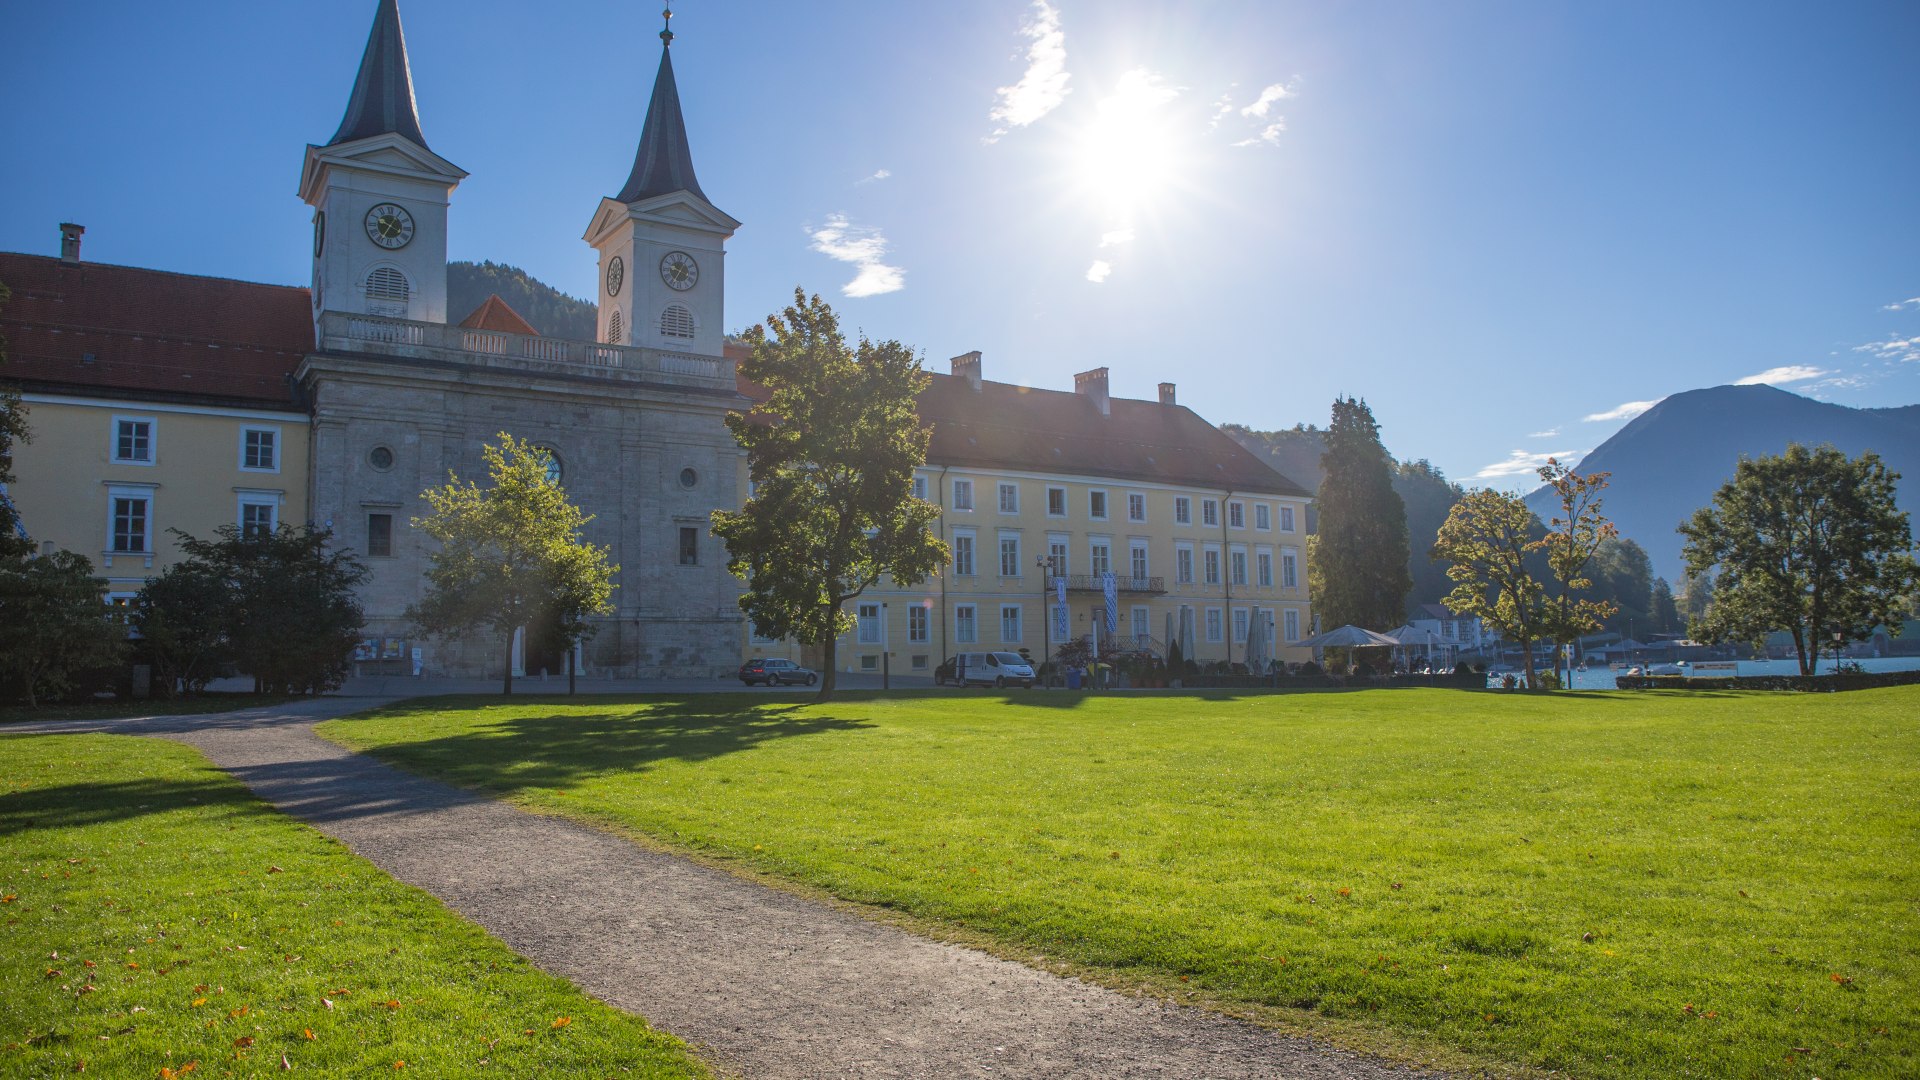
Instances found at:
x=319 y=231
x=679 y=271
x=616 y=273
x=390 y=226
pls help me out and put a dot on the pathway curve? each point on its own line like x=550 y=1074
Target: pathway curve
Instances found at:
x=761 y=982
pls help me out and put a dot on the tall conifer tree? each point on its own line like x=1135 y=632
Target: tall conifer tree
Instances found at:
x=1357 y=561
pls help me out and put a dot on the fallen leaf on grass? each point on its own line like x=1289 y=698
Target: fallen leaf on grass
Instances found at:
x=1840 y=979
x=243 y=1041
x=285 y=1064
x=328 y=1002
x=308 y=1032
x=391 y=1004
x=561 y=1022
x=197 y=1002
x=275 y=870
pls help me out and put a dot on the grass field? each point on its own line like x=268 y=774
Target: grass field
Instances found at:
x=1614 y=885
x=158 y=921
x=119 y=710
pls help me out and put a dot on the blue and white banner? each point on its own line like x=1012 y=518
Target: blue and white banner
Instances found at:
x=1112 y=586
x=1061 y=627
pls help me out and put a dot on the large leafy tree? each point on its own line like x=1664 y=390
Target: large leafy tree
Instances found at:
x=1577 y=531
x=54 y=623
x=1488 y=542
x=831 y=453
x=13 y=429
x=511 y=556
x=1428 y=496
x=1809 y=542
x=184 y=616
x=1357 y=560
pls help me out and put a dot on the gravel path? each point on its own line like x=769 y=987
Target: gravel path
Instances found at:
x=764 y=984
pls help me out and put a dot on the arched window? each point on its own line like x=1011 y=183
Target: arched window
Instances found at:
x=388 y=292
x=676 y=322
x=615 y=329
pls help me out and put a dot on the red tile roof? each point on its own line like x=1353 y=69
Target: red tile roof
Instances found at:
x=497 y=315
x=92 y=328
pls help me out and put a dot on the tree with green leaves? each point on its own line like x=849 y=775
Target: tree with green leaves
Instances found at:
x=1576 y=532
x=13 y=429
x=1487 y=541
x=511 y=556
x=1357 y=560
x=184 y=616
x=831 y=453
x=1428 y=495
x=55 y=624
x=1664 y=614
x=1810 y=542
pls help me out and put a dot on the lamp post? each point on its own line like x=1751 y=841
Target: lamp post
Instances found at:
x=1044 y=564
x=1837 y=637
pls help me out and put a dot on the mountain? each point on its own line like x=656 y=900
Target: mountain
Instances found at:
x=1670 y=460
x=552 y=312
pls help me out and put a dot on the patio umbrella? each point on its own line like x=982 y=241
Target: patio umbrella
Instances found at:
x=1348 y=637
x=1166 y=642
x=1410 y=635
x=1257 y=643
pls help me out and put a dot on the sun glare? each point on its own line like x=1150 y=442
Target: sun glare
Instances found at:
x=1124 y=157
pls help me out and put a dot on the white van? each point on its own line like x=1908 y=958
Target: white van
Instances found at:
x=992 y=669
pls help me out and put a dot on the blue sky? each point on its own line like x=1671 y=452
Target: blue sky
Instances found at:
x=1495 y=221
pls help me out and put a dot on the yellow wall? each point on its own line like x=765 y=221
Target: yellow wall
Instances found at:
x=195 y=483
x=1033 y=526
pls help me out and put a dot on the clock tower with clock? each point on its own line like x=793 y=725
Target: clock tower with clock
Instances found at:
x=662 y=244
x=379 y=196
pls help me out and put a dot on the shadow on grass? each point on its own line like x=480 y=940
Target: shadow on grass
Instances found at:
x=74 y=806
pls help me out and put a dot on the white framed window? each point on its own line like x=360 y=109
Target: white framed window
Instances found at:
x=1236 y=515
x=1099 y=556
x=869 y=662
x=1215 y=628
x=259 y=513
x=1010 y=623
x=1289 y=568
x=1097 y=505
x=1057 y=557
x=1140 y=624
x=963 y=494
x=1286 y=519
x=1263 y=568
x=963 y=553
x=1057 y=502
x=677 y=322
x=1237 y=565
x=919 y=620
x=1262 y=517
x=260 y=449
x=130 y=521
x=1290 y=624
x=134 y=440
x=1209 y=512
x=1240 y=623
x=1136 y=506
x=920 y=487
x=1009 y=555
x=1137 y=559
x=1210 y=565
x=1009 y=498
x=867 y=624
x=1183 y=564
x=966 y=628
x=1182 y=510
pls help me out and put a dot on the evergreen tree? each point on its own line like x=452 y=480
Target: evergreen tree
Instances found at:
x=1357 y=561
x=1428 y=496
x=54 y=624
x=1664 y=614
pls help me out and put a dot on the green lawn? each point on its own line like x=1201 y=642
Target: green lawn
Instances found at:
x=120 y=710
x=157 y=920
x=1615 y=885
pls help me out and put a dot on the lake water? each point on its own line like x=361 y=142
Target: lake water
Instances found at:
x=1601 y=678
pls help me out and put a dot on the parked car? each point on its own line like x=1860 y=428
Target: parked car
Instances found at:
x=776 y=671
x=986 y=669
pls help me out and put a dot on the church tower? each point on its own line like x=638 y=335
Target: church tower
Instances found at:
x=662 y=245
x=379 y=196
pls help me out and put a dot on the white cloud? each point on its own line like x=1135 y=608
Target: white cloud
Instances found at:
x=862 y=246
x=1113 y=237
x=1776 y=376
x=1522 y=463
x=878 y=174
x=1547 y=434
x=1269 y=135
x=1897 y=305
x=1903 y=350
x=1220 y=109
x=1625 y=411
x=1265 y=101
x=1098 y=272
x=1044 y=86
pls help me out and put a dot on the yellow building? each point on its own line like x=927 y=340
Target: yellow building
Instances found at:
x=1044 y=492
x=157 y=401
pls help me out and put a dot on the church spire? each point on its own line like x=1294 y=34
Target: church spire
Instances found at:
x=664 y=163
x=382 y=101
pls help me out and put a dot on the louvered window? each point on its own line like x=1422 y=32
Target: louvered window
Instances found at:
x=676 y=322
x=387 y=292
x=616 y=329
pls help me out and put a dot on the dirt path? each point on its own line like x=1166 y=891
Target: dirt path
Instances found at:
x=764 y=984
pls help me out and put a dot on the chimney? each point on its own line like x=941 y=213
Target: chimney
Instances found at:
x=1166 y=393
x=968 y=365
x=1094 y=385
x=70 y=241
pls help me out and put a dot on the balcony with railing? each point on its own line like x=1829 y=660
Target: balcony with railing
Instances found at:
x=379 y=334
x=1096 y=583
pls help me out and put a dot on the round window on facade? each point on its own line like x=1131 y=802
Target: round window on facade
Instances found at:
x=688 y=478
x=555 y=471
x=380 y=458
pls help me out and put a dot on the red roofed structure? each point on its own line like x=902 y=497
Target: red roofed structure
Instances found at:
x=497 y=315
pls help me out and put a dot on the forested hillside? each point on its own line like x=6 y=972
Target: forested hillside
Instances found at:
x=552 y=312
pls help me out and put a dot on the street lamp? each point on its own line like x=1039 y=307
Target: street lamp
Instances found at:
x=1044 y=564
x=1837 y=637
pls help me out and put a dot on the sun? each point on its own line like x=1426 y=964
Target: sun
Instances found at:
x=1124 y=157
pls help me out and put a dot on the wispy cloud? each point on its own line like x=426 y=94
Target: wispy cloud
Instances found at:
x=1220 y=109
x=1901 y=350
x=1777 y=376
x=1044 y=86
x=1521 y=463
x=1098 y=272
x=1115 y=237
x=1266 y=99
x=1269 y=135
x=862 y=246
x=1897 y=305
x=874 y=177
x=1624 y=411
x=1547 y=434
